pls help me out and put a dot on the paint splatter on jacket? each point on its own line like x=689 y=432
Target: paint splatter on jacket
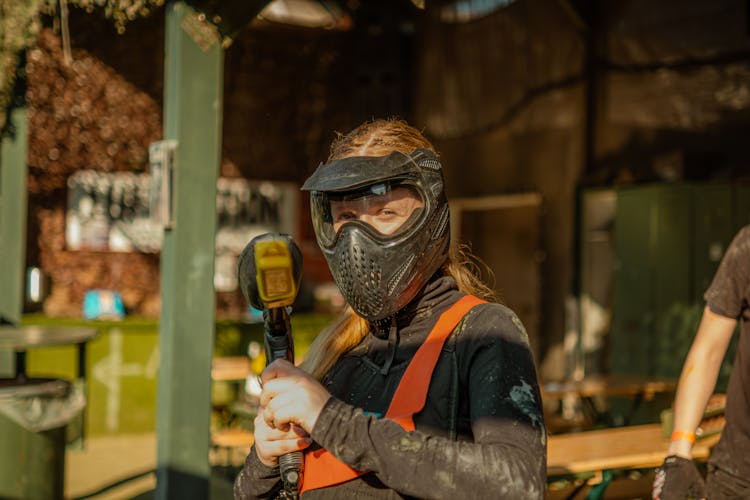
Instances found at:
x=480 y=435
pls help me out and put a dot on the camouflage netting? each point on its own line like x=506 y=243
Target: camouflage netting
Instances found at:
x=20 y=22
x=84 y=116
x=90 y=115
x=19 y=26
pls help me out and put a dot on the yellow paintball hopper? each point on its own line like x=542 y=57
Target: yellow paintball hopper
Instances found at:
x=274 y=273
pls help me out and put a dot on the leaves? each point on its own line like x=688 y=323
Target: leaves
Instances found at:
x=20 y=24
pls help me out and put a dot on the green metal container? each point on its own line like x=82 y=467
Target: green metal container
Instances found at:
x=32 y=462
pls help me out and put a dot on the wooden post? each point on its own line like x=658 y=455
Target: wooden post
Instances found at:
x=13 y=200
x=193 y=79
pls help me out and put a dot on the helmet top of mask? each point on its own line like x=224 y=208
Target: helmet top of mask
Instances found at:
x=350 y=173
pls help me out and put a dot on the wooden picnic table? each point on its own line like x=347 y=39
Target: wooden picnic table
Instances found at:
x=633 y=447
x=230 y=368
x=19 y=339
x=609 y=385
x=600 y=387
x=597 y=455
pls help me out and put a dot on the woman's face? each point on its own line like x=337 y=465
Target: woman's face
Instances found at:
x=385 y=212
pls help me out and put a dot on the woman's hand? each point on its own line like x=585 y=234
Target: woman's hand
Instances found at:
x=271 y=443
x=291 y=397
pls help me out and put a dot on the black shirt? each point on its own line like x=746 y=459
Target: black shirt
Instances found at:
x=480 y=435
x=728 y=296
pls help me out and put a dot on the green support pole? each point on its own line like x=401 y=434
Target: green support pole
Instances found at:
x=13 y=198
x=193 y=80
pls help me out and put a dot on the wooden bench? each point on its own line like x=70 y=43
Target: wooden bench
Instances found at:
x=231 y=442
x=590 y=389
x=597 y=453
x=230 y=368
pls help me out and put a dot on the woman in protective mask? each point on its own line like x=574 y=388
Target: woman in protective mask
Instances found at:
x=422 y=389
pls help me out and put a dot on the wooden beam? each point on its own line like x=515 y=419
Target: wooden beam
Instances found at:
x=13 y=200
x=193 y=80
x=13 y=208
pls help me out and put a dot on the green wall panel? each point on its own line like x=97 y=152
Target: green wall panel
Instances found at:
x=670 y=254
x=714 y=228
x=741 y=205
x=669 y=243
x=632 y=321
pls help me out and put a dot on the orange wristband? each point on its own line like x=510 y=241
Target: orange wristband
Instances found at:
x=687 y=436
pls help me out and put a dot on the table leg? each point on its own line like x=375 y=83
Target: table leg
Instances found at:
x=84 y=388
x=598 y=417
x=637 y=400
x=597 y=491
x=576 y=490
x=82 y=361
x=21 y=365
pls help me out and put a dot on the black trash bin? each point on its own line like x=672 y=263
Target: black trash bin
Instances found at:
x=34 y=414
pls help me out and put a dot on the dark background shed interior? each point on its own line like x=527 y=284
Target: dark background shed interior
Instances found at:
x=551 y=97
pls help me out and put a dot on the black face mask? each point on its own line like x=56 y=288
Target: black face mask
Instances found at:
x=379 y=270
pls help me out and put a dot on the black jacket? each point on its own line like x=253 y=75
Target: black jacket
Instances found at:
x=480 y=435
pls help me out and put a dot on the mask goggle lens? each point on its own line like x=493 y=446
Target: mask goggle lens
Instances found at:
x=387 y=209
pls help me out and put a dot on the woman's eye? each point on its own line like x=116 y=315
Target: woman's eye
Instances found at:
x=345 y=216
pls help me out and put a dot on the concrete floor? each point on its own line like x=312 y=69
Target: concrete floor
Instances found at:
x=122 y=467
x=104 y=461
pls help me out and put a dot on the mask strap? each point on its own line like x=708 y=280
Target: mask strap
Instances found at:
x=392 y=343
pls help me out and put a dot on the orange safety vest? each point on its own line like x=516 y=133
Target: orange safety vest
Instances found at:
x=322 y=469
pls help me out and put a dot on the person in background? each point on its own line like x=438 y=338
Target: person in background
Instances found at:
x=424 y=388
x=729 y=466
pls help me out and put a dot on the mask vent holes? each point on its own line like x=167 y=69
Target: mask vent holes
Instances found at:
x=440 y=228
x=359 y=278
x=399 y=274
x=432 y=164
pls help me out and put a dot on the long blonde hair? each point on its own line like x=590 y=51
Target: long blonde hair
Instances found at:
x=379 y=138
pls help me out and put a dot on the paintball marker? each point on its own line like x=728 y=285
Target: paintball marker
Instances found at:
x=269 y=269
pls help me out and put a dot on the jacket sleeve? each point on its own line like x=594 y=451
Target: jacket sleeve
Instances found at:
x=256 y=480
x=507 y=458
x=731 y=283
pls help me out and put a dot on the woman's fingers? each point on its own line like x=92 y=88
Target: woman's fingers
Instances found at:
x=270 y=451
x=277 y=369
x=300 y=386
x=298 y=407
x=266 y=433
x=291 y=396
x=282 y=411
x=274 y=429
x=285 y=410
x=270 y=443
x=268 y=418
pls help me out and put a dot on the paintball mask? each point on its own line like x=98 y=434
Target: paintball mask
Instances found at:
x=383 y=226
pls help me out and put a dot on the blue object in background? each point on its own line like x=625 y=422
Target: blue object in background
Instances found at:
x=103 y=304
x=254 y=315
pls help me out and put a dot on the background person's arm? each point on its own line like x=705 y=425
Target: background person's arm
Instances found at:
x=699 y=374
